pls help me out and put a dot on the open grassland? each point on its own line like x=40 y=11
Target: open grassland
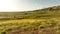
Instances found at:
x=44 y=21
x=30 y=26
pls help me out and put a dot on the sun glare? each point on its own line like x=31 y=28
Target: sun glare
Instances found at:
x=7 y=5
x=17 y=5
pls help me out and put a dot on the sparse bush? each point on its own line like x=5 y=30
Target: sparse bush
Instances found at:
x=3 y=32
x=8 y=30
x=51 y=23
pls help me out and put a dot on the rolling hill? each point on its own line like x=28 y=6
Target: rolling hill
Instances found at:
x=46 y=12
x=41 y=21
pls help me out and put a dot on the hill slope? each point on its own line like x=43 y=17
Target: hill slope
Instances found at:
x=43 y=21
x=47 y=12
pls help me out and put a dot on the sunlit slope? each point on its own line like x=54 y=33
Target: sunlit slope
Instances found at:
x=27 y=20
x=14 y=26
x=43 y=21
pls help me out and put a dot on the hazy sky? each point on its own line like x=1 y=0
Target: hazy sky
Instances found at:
x=25 y=5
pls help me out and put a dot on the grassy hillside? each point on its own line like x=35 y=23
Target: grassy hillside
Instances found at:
x=42 y=21
x=47 y=12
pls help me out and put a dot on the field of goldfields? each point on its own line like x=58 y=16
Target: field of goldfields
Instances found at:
x=42 y=21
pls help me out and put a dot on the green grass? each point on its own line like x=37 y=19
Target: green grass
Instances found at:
x=44 y=21
x=14 y=26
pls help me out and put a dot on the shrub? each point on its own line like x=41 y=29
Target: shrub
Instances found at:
x=3 y=32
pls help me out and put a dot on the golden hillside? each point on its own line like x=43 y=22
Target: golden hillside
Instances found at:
x=42 y=21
